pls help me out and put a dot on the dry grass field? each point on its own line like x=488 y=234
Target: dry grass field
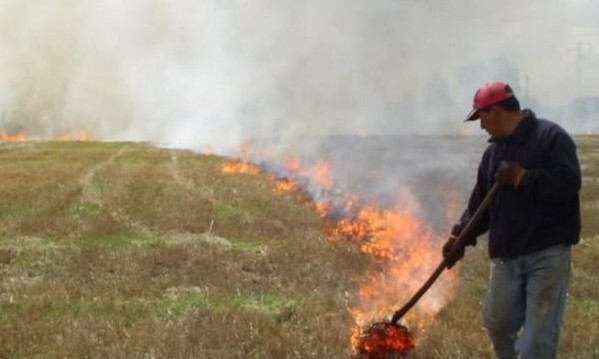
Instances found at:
x=123 y=250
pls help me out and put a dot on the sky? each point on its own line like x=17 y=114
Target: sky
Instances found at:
x=212 y=74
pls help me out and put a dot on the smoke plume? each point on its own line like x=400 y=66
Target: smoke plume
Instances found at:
x=211 y=74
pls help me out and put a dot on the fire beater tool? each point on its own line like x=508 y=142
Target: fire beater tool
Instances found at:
x=381 y=330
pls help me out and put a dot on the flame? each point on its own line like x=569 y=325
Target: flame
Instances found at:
x=281 y=185
x=384 y=340
x=404 y=255
x=322 y=208
x=320 y=173
x=404 y=249
x=285 y=185
x=241 y=167
x=82 y=136
x=18 y=137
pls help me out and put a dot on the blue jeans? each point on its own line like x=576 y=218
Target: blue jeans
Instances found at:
x=525 y=303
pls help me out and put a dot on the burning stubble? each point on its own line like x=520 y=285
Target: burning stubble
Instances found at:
x=403 y=247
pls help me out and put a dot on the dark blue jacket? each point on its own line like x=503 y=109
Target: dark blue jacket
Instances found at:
x=545 y=209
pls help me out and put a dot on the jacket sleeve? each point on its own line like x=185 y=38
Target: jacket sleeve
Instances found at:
x=477 y=196
x=559 y=177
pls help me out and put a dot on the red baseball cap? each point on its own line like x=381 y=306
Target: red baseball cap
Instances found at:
x=487 y=96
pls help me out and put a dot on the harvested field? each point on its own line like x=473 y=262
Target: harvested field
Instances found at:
x=124 y=250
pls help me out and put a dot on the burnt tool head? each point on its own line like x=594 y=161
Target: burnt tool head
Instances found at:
x=386 y=340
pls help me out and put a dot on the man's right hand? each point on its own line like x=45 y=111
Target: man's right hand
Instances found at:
x=510 y=174
x=452 y=258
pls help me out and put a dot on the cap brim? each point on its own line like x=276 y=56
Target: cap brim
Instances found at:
x=472 y=116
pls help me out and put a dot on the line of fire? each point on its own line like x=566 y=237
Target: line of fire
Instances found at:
x=6 y=136
x=403 y=248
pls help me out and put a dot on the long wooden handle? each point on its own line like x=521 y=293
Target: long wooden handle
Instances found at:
x=458 y=245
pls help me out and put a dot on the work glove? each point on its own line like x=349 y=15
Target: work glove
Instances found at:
x=510 y=174
x=452 y=258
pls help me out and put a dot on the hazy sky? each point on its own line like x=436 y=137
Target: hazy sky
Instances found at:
x=212 y=73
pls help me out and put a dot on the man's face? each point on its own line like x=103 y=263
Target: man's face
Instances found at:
x=489 y=121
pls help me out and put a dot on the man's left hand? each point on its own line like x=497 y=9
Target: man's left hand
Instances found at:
x=510 y=174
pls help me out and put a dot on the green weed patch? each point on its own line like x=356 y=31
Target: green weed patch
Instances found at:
x=228 y=212
x=269 y=304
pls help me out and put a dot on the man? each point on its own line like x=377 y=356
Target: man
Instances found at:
x=532 y=222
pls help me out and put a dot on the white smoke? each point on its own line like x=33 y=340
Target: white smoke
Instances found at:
x=211 y=74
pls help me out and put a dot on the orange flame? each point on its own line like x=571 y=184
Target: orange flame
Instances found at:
x=383 y=340
x=405 y=253
x=286 y=186
x=281 y=185
x=5 y=136
x=241 y=167
x=82 y=136
x=320 y=173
